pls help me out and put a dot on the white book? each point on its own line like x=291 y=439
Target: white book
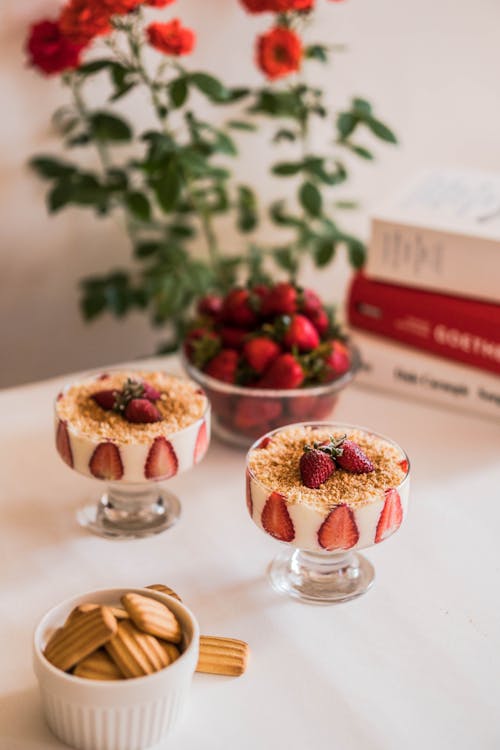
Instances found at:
x=440 y=233
x=407 y=372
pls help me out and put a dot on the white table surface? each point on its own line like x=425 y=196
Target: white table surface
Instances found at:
x=415 y=663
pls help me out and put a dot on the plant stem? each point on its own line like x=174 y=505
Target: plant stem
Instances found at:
x=75 y=84
x=162 y=114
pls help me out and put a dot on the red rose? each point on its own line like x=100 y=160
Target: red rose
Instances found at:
x=82 y=20
x=158 y=3
x=279 y=52
x=257 y=6
x=171 y=38
x=49 y=50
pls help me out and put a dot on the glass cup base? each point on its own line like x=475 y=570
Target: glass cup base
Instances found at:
x=321 y=578
x=130 y=512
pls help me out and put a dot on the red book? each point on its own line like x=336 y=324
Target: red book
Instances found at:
x=465 y=330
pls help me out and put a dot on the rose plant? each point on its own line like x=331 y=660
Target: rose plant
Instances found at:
x=174 y=181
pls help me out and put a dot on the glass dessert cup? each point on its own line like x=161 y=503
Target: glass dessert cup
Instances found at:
x=135 y=504
x=241 y=414
x=305 y=569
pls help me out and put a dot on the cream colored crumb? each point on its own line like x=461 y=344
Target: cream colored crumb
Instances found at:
x=277 y=467
x=181 y=404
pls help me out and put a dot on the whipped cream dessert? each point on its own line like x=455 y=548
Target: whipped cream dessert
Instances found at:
x=350 y=509
x=132 y=426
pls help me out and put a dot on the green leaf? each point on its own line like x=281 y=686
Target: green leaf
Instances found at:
x=181 y=230
x=58 y=197
x=310 y=198
x=346 y=205
x=317 y=52
x=122 y=91
x=284 y=134
x=210 y=86
x=92 y=304
x=285 y=259
x=168 y=187
x=108 y=127
x=49 y=168
x=280 y=217
x=146 y=249
x=360 y=151
x=247 y=209
x=224 y=144
x=178 y=90
x=356 y=251
x=346 y=122
x=380 y=130
x=138 y=205
x=362 y=107
x=285 y=168
x=324 y=252
x=242 y=125
x=95 y=66
x=116 y=179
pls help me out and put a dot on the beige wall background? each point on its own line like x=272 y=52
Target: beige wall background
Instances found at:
x=431 y=68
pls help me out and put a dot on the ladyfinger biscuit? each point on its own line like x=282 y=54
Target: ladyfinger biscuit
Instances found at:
x=80 y=637
x=98 y=666
x=152 y=617
x=172 y=651
x=135 y=653
x=226 y=656
x=164 y=590
x=80 y=609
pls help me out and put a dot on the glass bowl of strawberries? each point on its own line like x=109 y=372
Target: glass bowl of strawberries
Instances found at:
x=266 y=356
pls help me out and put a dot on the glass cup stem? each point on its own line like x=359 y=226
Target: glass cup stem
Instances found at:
x=321 y=577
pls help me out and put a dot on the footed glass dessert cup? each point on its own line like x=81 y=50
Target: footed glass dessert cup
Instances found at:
x=323 y=529
x=132 y=430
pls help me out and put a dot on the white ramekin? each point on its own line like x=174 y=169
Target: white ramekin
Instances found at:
x=115 y=715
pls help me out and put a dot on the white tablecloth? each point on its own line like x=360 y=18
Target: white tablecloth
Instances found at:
x=413 y=664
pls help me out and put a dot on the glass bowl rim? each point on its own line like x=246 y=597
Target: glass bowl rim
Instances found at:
x=325 y=424
x=240 y=390
x=117 y=368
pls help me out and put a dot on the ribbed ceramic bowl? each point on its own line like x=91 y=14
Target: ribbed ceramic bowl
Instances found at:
x=115 y=715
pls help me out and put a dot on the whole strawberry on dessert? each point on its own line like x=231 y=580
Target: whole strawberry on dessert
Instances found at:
x=278 y=338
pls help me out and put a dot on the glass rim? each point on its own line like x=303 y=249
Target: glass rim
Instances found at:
x=240 y=390
x=326 y=424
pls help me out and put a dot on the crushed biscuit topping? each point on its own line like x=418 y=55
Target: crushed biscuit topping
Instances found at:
x=181 y=404
x=277 y=467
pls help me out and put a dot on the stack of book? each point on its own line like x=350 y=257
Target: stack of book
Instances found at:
x=425 y=311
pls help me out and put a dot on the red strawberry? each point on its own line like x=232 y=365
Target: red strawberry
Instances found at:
x=276 y=519
x=251 y=412
x=338 y=530
x=390 y=517
x=201 y=445
x=106 y=462
x=103 y=376
x=310 y=303
x=337 y=362
x=301 y=333
x=281 y=300
x=200 y=345
x=210 y=305
x=404 y=465
x=353 y=459
x=237 y=310
x=248 y=493
x=63 y=443
x=223 y=366
x=259 y=294
x=264 y=442
x=284 y=372
x=150 y=392
x=320 y=321
x=233 y=338
x=260 y=352
x=105 y=399
x=141 y=411
x=315 y=467
x=161 y=462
